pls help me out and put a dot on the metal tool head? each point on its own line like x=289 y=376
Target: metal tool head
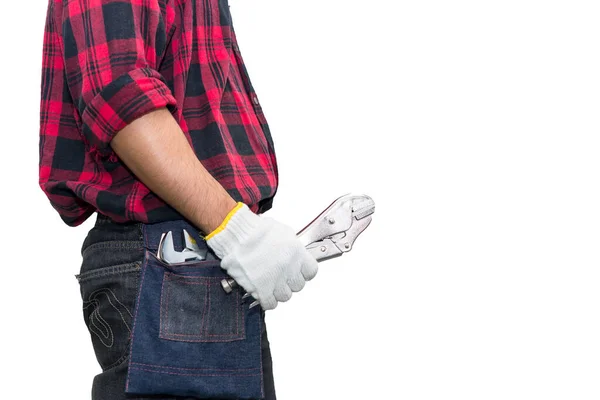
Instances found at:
x=191 y=251
x=337 y=217
x=338 y=244
x=335 y=230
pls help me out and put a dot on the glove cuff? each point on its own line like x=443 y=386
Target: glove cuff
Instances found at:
x=237 y=226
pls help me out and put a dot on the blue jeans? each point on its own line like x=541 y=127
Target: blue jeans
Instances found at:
x=117 y=257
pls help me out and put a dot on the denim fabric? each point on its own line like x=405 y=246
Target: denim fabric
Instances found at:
x=114 y=257
x=189 y=336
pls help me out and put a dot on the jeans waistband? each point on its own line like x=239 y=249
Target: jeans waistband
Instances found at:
x=151 y=233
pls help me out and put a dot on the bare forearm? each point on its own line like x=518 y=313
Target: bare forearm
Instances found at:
x=157 y=152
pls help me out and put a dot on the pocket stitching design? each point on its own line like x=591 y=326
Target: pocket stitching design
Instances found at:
x=116 y=244
x=95 y=315
x=110 y=270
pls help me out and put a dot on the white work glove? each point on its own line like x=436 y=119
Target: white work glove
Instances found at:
x=262 y=255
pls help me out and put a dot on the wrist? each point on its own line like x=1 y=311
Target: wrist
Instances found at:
x=225 y=220
x=209 y=213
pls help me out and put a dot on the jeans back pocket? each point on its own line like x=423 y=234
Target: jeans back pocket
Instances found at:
x=108 y=295
x=197 y=309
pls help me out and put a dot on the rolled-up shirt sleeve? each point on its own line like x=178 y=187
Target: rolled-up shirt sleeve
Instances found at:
x=111 y=52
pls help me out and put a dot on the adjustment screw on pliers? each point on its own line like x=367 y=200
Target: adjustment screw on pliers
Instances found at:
x=228 y=284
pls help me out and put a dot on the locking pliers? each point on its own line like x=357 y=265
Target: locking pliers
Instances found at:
x=333 y=232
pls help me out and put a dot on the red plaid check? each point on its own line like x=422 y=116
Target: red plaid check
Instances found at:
x=108 y=62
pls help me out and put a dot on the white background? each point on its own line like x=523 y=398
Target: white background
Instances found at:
x=473 y=125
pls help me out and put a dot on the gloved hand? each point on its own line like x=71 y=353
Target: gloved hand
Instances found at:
x=262 y=255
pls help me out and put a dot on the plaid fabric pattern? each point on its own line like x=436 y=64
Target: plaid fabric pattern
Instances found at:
x=108 y=62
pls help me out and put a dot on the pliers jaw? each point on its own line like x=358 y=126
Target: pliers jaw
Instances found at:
x=339 y=243
x=334 y=231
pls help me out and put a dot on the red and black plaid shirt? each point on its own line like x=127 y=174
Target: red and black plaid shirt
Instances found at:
x=108 y=62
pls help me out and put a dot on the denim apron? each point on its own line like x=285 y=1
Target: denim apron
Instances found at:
x=189 y=337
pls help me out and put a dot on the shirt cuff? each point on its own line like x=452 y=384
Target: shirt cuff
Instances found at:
x=121 y=102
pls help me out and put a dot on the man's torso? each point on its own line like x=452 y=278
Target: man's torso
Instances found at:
x=217 y=109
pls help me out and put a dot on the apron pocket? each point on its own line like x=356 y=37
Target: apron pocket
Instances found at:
x=197 y=309
x=190 y=337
